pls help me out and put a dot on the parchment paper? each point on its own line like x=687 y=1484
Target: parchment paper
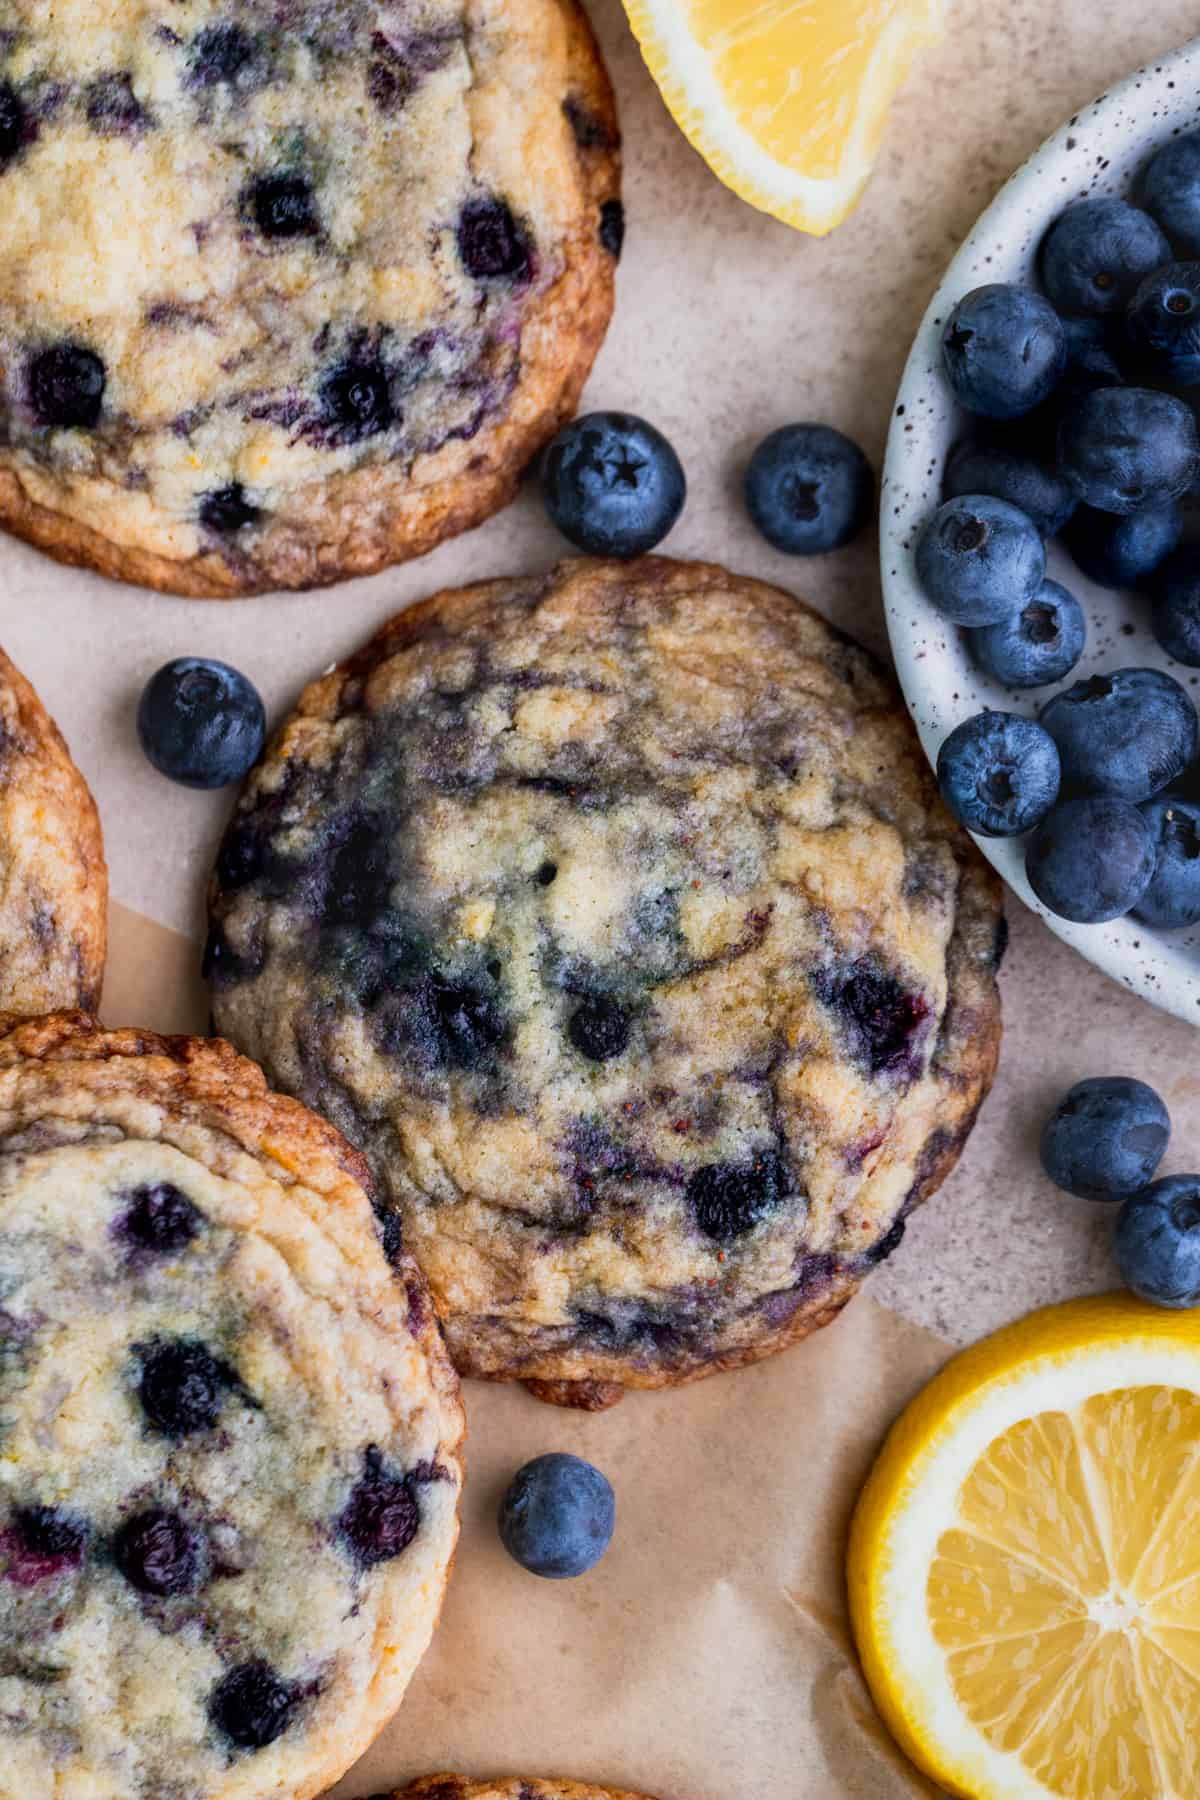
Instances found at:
x=707 y=1657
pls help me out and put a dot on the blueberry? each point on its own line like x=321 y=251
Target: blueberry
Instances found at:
x=1173 y=897
x=381 y=1518
x=466 y=1021
x=360 y=881
x=599 y=1028
x=612 y=228
x=159 y=1220
x=51 y=1535
x=200 y=722
x=251 y=1706
x=1096 y=252
x=181 y=1386
x=227 y=510
x=1128 y=733
x=1041 y=644
x=557 y=1516
x=492 y=244
x=808 y=489
x=881 y=1013
x=283 y=206
x=1123 y=550
x=12 y=123
x=1033 y=487
x=1093 y=355
x=1091 y=859
x=729 y=1199
x=1105 y=1138
x=159 y=1553
x=1163 y=324
x=219 y=53
x=1003 y=350
x=66 y=386
x=1125 y=448
x=1157 y=1241
x=1175 y=617
x=979 y=560
x=356 y=400
x=1171 y=190
x=612 y=484
x=113 y=109
x=999 y=773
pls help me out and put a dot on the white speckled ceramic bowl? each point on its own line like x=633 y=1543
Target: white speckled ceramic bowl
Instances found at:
x=1097 y=152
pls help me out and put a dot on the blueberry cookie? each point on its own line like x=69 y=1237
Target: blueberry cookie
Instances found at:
x=512 y=1787
x=53 y=882
x=291 y=289
x=229 y=1431
x=614 y=914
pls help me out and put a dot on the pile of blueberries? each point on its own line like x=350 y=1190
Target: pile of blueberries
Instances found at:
x=1082 y=433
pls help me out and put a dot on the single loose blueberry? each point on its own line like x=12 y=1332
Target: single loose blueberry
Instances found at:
x=356 y=400
x=1034 y=488
x=729 y=1199
x=66 y=386
x=1163 y=324
x=1175 y=617
x=808 y=489
x=113 y=109
x=181 y=1386
x=1105 y=1138
x=980 y=560
x=599 y=1028
x=1157 y=1241
x=227 y=510
x=219 y=53
x=1172 y=899
x=1171 y=190
x=612 y=228
x=12 y=123
x=1122 y=449
x=1091 y=859
x=1129 y=733
x=200 y=722
x=381 y=1517
x=1003 y=350
x=159 y=1219
x=612 y=484
x=1041 y=644
x=1096 y=253
x=283 y=206
x=1123 y=551
x=251 y=1706
x=557 y=1517
x=159 y=1553
x=882 y=1014
x=999 y=773
x=492 y=244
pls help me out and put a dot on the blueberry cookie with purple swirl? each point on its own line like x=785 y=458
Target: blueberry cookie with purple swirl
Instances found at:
x=53 y=880
x=614 y=914
x=292 y=289
x=512 y=1787
x=229 y=1431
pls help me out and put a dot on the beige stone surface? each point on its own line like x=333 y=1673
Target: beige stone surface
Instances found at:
x=727 y=324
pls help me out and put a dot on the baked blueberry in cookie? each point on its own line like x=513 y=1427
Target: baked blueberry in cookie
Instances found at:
x=289 y=292
x=614 y=914
x=230 y=1474
x=53 y=881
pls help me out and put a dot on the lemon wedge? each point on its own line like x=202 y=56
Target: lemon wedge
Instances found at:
x=785 y=99
x=1024 y=1563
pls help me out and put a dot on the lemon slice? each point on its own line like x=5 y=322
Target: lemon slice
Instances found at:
x=1024 y=1563
x=785 y=99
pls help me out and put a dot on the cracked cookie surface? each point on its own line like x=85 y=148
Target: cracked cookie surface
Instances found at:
x=511 y=1787
x=53 y=881
x=293 y=289
x=229 y=1430
x=614 y=914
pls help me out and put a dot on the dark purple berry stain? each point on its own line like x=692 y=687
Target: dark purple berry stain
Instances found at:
x=612 y=227
x=66 y=386
x=182 y=1386
x=599 y=1028
x=221 y=964
x=113 y=109
x=459 y=1022
x=12 y=123
x=283 y=206
x=360 y=878
x=240 y=858
x=227 y=510
x=883 y=1249
x=391 y=1235
x=159 y=1553
x=356 y=401
x=381 y=1518
x=491 y=243
x=41 y=1542
x=883 y=1016
x=219 y=53
x=589 y=132
x=158 y=1221
x=729 y=1199
x=251 y=1706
